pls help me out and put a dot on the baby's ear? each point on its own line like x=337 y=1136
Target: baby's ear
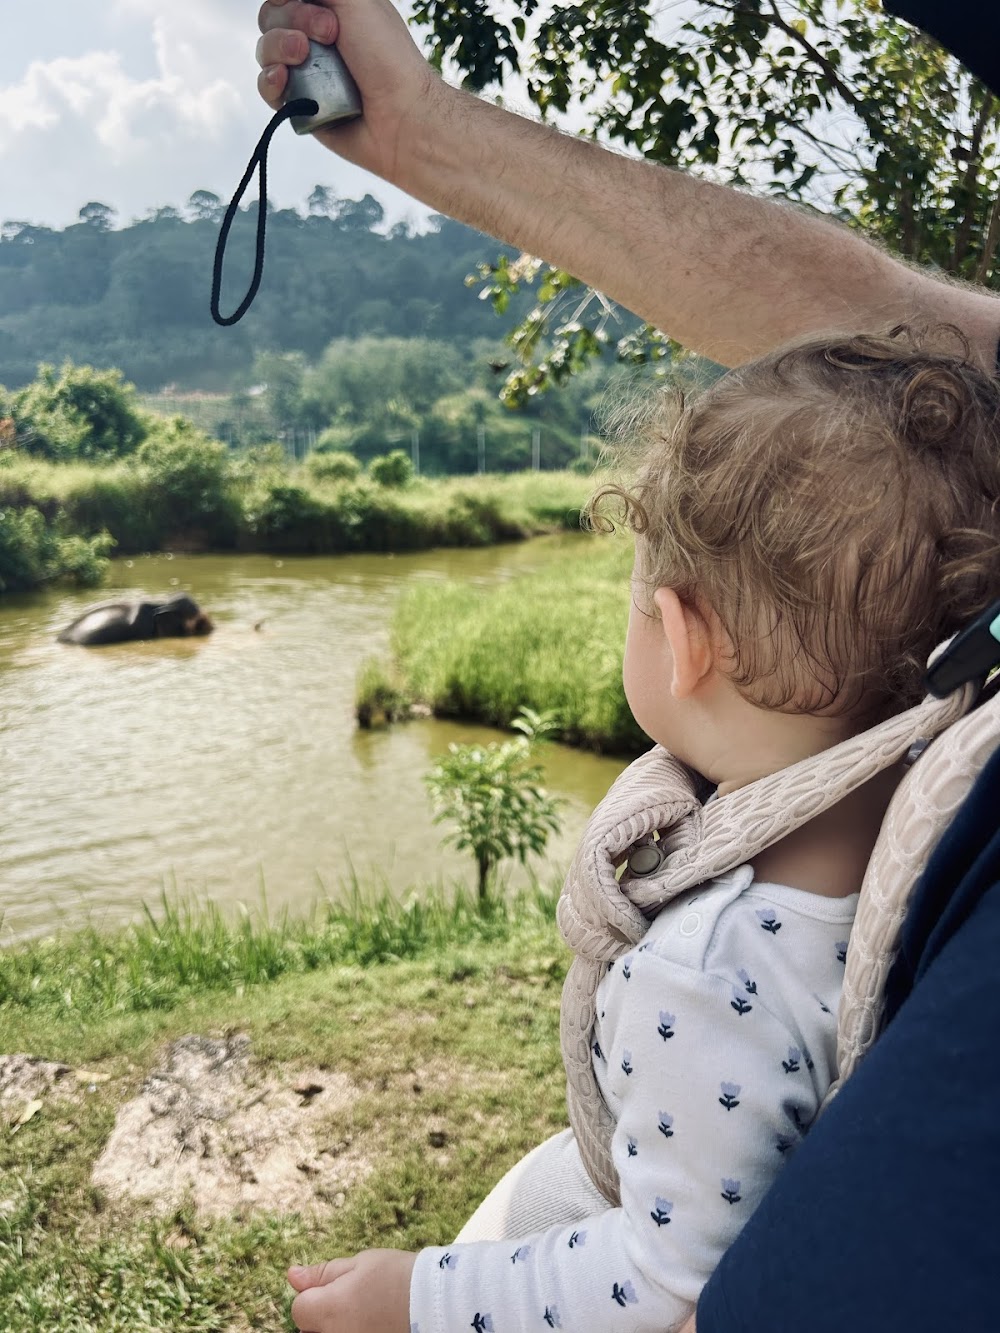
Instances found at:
x=691 y=636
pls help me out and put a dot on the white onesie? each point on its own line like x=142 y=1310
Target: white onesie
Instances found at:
x=714 y=1046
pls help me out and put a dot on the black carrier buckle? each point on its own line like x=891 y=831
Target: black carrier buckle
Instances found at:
x=971 y=655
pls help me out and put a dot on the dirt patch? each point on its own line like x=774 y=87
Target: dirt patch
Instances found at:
x=23 y=1078
x=28 y=1083
x=208 y=1125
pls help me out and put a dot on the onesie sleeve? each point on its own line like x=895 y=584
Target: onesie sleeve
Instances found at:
x=709 y=1097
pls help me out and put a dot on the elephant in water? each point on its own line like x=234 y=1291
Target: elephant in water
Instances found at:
x=118 y=622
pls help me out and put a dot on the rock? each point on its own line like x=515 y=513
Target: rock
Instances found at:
x=208 y=1124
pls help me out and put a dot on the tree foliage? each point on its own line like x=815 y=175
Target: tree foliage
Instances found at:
x=372 y=394
x=76 y=413
x=136 y=297
x=34 y=552
x=828 y=103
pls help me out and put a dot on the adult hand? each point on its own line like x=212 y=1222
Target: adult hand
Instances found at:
x=399 y=90
x=367 y=1294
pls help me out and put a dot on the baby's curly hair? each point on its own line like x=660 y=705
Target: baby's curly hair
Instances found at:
x=836 y=503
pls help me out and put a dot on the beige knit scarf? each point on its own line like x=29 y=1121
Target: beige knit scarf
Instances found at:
x=602 y=917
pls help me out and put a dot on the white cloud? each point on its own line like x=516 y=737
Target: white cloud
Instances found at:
x=164 y=105
x=201 y=42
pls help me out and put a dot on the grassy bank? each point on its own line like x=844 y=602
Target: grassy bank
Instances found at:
x=550 y=640
x=455 y=1027
x=181 y=492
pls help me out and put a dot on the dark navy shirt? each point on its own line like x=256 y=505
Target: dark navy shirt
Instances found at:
x=969 y=28
x=887 y=1219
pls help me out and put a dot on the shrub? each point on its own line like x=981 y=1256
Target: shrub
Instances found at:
x=283 y=517
x=336 y=465
x=84 y=560
x=391 y=470
x=189 y=480
x=77 y=413
x=261 y=458
x=33 y=552
x=379 y=694
x=495 y=797
x=116 y=499
x=479 y=520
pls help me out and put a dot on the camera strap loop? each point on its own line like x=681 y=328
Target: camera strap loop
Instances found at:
x=302 y=106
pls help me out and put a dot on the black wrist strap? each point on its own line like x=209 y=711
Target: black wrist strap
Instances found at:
x=301 y=106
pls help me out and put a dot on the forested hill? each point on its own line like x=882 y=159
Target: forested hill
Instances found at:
x=138 y=297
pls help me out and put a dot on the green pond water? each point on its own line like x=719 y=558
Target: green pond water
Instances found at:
x=219 y=768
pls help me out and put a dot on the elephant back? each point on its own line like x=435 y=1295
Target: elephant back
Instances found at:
x=111 y=622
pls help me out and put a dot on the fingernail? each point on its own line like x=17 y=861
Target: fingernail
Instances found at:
x=271 y=74
x=323 y=28
x=296 y=1272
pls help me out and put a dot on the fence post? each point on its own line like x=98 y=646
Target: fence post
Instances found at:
x=536 y=449
x=415 y=452
x=481 y=434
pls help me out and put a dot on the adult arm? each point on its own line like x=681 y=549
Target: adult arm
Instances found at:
x=727 y=274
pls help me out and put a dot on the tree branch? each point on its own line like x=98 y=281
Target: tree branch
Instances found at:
x=990 y=245
x=778 y=21
x=967 y=186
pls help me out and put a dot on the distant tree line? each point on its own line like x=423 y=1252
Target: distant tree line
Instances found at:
x=434 y=401
x=136 y=298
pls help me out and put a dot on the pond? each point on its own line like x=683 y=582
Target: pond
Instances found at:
x=231 y=768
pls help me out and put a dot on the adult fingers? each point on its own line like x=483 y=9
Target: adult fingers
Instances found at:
x=271 y=84
x=282 y=47
x=314 y=20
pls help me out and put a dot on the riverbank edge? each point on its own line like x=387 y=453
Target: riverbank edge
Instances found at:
x=442 y=1011
x=60 y=521
x=551 y=640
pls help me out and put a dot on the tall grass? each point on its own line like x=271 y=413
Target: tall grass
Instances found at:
x=551 y=640
x=189 y=948
x=188 y=493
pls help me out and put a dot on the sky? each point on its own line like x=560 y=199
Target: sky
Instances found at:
x=137 y=104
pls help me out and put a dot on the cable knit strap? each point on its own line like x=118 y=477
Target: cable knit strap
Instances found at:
x=919 y=813
x=656 y=793
x=602 y=915
x=740 y=825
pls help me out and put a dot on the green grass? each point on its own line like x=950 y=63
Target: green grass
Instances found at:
x=459 y=1030
x=549 y=640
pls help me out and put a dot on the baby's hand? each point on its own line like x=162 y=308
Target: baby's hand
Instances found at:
x=367 y=1294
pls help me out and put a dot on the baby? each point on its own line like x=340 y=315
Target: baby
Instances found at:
x=806 y=532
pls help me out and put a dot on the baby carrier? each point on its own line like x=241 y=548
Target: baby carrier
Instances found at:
x=655 y=823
